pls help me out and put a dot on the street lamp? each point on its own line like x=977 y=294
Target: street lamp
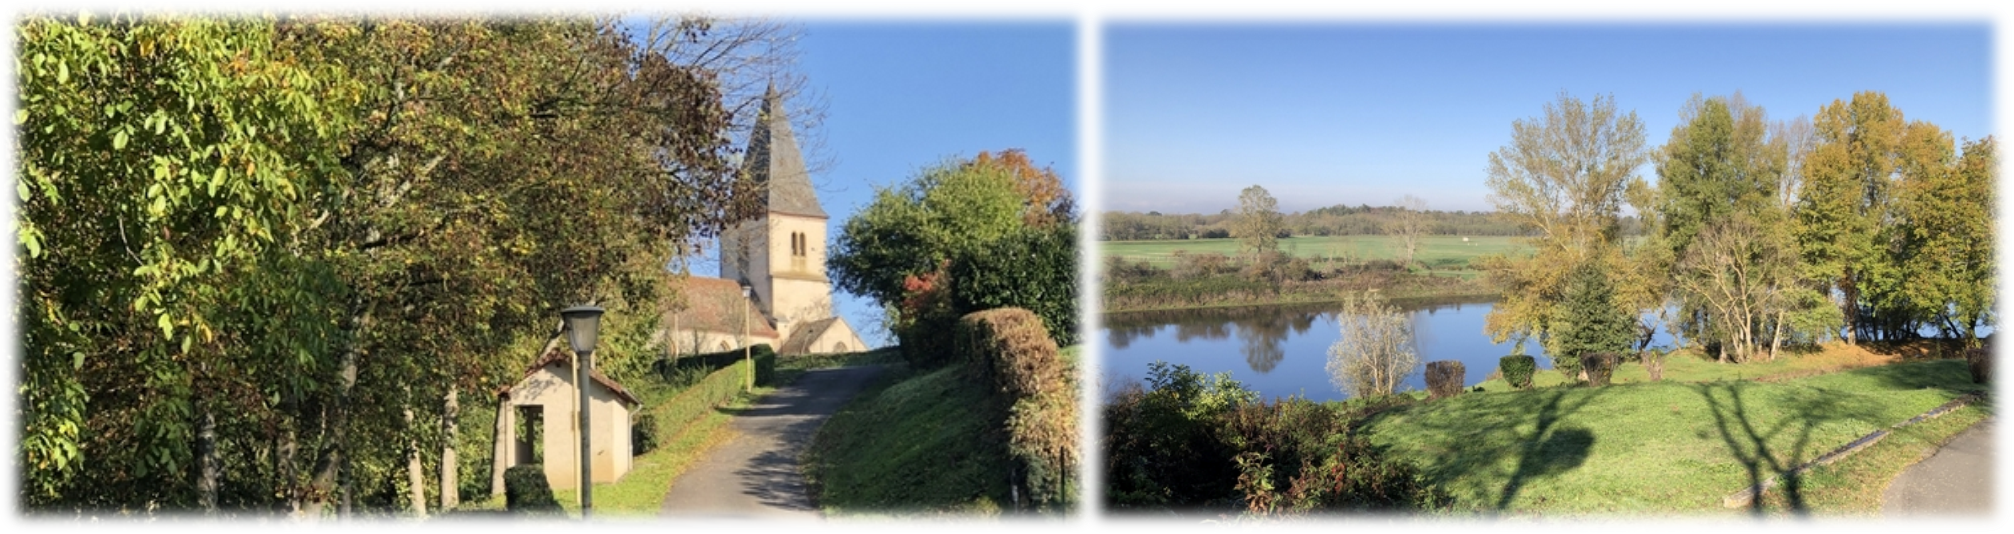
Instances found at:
x=748 y=385
x=583 y=325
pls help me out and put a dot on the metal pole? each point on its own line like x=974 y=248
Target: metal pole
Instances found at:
x=749 y=385
x=586 y=453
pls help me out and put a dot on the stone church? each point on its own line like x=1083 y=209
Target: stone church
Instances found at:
x=780 y=255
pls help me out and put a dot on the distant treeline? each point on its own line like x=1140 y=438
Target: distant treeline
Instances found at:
x=1333 y=220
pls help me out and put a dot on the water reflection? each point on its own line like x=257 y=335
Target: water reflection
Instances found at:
x=1285 y=348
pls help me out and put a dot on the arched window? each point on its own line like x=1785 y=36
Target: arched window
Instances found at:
x=723 y=346
x=839 y=346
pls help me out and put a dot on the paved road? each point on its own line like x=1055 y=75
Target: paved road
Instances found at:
x=1957 y=480
x=755 y=475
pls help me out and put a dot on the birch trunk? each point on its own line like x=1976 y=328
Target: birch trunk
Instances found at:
x=416 y=471
x=450 y=461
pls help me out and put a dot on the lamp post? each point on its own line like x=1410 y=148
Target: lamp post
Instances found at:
x=583 y=325
x=748 y=385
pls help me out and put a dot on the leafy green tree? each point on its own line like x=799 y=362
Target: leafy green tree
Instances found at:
x=1033 y=269
x=1564 y=176
x=910 y=229
x=1845 y=191
x=1589 y=321
x=1256 y=223
x=1944 y=232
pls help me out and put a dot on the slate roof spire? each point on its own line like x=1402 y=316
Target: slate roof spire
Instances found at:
x=775 y=161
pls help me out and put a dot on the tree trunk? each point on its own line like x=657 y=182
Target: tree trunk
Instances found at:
x=450 y=462
x=416 y=470
x=1851 y=308
x=289 y=443
x=206 y=461
x=1776 y=339
x=332 y=465
x=502 y=448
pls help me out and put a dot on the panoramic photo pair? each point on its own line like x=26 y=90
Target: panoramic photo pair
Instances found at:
x=684 y=266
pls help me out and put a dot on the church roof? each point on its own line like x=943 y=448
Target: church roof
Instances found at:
x=776 y=162
x=800 y=341
x=716 y=305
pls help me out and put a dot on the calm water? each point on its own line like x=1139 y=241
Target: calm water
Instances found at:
x=1284 y=350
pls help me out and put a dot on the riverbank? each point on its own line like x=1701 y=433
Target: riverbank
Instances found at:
x=1230 y=290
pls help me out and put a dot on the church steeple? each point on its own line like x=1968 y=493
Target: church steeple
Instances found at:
x=776 y=162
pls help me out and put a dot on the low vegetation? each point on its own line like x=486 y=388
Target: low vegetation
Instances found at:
x=924 y=443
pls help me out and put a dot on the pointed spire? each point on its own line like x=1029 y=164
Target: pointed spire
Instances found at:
x=775 y=160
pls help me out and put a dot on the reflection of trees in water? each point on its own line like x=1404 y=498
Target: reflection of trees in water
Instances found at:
x=1263 y=337
x=1123 y=336
x=1206 y=330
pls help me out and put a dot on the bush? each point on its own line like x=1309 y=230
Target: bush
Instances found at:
x=1590 y=321
x=686 y=371
x=526 y=492
x=1009 y=350
x=642 y=434
x=1033 y=269
x=1297 y=456
x=1162 y=450
x=1980 y=361
x=925 y=320
x=1517 y=370
x=1599 y=366
x=1444 y=378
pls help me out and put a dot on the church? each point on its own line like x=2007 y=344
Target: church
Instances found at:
x=779 y=257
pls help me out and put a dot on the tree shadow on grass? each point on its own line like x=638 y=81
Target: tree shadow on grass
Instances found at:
x=1749 y=437
x=1491 y=431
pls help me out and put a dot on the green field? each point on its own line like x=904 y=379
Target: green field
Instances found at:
x=1440 y=252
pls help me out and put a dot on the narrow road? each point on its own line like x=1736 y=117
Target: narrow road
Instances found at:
x=756 y=475
x=1956 y=480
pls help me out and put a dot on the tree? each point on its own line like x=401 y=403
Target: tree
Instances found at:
x=1376 y=350
x=1048 y=202
x=1564 y=176
x=1589 y=321
x=1845 y=191
x=1944 y=232
x=1409 y=222
x=913 y=228
x=1257 y=223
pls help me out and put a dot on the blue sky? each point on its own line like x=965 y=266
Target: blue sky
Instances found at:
x=903 y=96
x=1361 y=114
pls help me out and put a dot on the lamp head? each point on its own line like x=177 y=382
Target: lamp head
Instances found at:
x=583 y=325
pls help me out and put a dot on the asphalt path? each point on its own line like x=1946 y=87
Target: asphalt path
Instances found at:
x=756 y=474
x=1956 y=480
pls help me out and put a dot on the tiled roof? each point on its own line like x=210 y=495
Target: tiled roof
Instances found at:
x=800 y=341
x=775 y=161
x=556 y=354
x=716 y=305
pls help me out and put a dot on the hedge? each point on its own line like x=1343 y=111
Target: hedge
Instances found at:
x=658 y=424
x=1009 y=350
x=1517 y=370
x=526 y=492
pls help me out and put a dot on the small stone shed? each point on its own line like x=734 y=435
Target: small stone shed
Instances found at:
x=536 y=422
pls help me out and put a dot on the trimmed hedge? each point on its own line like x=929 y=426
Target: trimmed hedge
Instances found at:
x=526 y=492
x=1444 y=378
x=1009 y=350
x=712 y=361
x=668 y=419
x=1599 y=366
x=1517 y=370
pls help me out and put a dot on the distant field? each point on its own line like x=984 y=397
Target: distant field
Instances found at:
x=1435 y=251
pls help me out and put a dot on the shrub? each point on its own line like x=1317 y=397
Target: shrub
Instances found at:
x=1376 y=349
x=526 y=492
x=1033 y=269
x=1297 y=456
x=1010 y=351
x=925 y=318
x=1200 y=265
x=1444 y=378
x=1980 y=361
x=1162 y=450
x=1599 y=366
x=1517 y=370
x=1589 y=322
x=642 y=434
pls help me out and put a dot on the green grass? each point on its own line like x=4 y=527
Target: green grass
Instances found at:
x=1656 y=448
x=1437 y=252
x=1692 y=366
x=910 y=444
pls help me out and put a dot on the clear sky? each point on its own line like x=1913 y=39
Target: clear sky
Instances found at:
x=1361 y=114
x=903 y=96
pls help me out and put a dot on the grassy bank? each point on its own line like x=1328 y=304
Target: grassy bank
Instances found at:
x=1231 y=290
x=911 y=444
x=1673 y=446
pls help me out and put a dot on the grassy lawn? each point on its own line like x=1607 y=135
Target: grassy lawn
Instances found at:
x=1438 y=252
x=1675 y=446
x=1692 y=366
x=912 y=445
